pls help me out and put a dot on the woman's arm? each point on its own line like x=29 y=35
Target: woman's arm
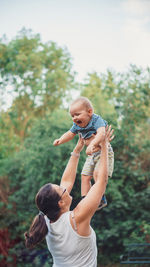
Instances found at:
x=66 y=137
x=69 y=174
x=87 y=207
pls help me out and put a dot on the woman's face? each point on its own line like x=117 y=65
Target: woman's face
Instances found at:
x=63 y=193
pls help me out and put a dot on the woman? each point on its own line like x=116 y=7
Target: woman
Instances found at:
x=69 y=236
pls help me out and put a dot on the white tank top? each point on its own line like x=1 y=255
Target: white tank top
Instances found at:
x=67 y=247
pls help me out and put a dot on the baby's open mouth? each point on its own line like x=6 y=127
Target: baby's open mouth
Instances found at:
x=79 y=122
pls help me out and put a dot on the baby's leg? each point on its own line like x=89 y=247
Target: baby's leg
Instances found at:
x=85 y=184
x=86 y=176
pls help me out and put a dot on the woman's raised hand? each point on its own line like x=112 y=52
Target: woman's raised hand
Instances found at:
x=109 y=134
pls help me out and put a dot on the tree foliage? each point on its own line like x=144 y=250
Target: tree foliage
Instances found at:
x=36 y=75
x=93 y=89
x=126 y=218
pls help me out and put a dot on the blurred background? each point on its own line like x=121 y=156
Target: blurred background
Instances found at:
x=50 y=53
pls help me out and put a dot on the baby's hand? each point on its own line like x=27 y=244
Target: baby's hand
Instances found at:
x=92 y=149
x=56 y=142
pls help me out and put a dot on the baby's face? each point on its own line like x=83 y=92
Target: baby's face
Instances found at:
x=80 y=114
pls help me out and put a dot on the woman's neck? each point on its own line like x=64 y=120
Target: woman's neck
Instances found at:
x=61 y=212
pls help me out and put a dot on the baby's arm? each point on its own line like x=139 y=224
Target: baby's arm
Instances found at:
x=95 y=143
x=66 y=137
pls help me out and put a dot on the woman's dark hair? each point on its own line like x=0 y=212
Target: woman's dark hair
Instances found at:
x=47 y=201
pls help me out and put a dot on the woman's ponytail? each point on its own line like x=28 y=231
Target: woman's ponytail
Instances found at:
x=47 y=202
x=37 y=231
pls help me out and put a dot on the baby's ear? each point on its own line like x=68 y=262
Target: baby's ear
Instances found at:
x=90 y=111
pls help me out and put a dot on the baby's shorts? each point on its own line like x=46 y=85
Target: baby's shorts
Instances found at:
x=92 y=162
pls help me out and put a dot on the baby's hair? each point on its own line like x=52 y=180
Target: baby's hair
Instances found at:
x=83 y=100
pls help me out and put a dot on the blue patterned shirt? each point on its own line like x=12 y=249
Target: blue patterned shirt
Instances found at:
x=95 y=123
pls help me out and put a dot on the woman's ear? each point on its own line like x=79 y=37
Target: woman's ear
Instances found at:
x=61 y=203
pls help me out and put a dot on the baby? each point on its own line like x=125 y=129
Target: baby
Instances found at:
x=92 y=129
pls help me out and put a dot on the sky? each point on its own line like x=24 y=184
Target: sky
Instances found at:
x=99 y=34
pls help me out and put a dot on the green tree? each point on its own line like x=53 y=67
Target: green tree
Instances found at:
x=126 y=217
x=37 y=75
x=123 y=100
x=93 y=89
